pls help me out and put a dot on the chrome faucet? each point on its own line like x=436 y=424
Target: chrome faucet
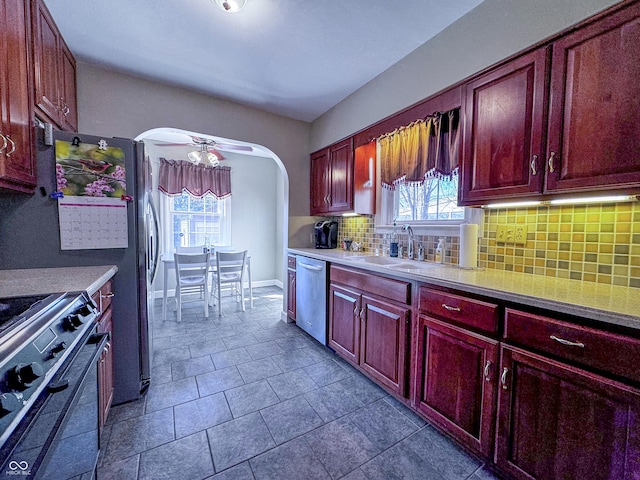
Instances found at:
x=407 y=228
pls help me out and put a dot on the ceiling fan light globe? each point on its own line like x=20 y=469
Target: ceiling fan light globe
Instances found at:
x=230 y=6
x=195 y=157
x=212 y=159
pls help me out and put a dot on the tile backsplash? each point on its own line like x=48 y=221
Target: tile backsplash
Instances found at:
x=594 y=243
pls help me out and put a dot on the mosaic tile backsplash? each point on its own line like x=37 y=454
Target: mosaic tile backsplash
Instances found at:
x=594 y=243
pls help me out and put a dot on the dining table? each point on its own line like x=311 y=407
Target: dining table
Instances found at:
x=168 y=263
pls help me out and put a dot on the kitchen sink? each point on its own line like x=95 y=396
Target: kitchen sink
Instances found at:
x=377 y=260
x=414 y=267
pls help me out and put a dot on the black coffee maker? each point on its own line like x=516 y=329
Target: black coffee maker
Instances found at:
x=326 y=234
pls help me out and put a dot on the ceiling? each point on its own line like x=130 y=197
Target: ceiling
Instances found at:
x=294 y=58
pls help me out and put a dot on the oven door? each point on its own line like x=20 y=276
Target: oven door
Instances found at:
x=58 y=437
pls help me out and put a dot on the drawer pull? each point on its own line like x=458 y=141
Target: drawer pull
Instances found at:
x=450 y=308
x=108 y=295
x=503 y=377
x=487 y=366
x=567 y=342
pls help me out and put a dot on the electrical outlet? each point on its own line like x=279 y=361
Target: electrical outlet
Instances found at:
x=520 y=237
x=501 y=234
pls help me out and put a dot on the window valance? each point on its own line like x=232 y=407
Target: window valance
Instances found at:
x=178 y=175
x=426 y=147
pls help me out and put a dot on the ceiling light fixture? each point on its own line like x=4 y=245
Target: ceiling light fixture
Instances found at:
x=204 y=156
x=231 y=5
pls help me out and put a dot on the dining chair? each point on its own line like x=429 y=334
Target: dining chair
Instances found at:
x=192 y=276
x=229 y=270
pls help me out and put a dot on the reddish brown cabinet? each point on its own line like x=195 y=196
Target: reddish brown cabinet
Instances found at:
x=594 y=133
x=332 y=179
x=560 y=119
x=291 y=287
x=557 y=422
x=103 y=298
x=370 y=327
x=504 y=131
x=55 y=72
x=17 y=165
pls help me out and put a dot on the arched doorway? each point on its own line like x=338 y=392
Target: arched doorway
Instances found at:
x=174 y=143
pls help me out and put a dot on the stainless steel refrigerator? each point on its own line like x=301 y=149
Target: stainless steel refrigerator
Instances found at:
x=30 y=238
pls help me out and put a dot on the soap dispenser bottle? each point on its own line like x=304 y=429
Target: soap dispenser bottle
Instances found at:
x=393 y=250
x=440 y=251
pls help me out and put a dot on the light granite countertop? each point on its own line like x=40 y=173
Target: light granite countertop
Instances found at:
x=605 y=303
x=42 y=281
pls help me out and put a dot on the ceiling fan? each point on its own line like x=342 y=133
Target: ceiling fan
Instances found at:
x=208 y=150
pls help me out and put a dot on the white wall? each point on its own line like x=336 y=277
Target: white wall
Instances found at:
x=489 y=33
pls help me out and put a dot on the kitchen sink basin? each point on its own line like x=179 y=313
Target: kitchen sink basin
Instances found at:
x=414 y=267
x=377 y=260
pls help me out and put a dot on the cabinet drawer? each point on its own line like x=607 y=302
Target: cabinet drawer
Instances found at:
x=103 y=296
x=608 y=352
x=291 y=261
x=461 y=310
x=384 y=287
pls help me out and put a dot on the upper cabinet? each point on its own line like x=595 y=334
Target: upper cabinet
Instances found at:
x=560 y=119
x=343 y=180
x=594 y=132
x=55 y=72
x=504 y=130
x=17 y=169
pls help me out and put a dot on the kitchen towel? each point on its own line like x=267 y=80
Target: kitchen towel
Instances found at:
x=468 y=245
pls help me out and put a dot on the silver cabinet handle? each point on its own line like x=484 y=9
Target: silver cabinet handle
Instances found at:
x=108 y=295
x=355 y=312
x=551 y=167
x=450 y=308
x=567 y=342
x=534 y=165
x=487 y=366
x=362 y=314
x=503 y=377
x=13 y=146
x=4 y=142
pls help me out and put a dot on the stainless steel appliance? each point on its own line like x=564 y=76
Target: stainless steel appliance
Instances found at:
x=326 y=232
x=311 y=297
x=48 y=386
x=30 y=238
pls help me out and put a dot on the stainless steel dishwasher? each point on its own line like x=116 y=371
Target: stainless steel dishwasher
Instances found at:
x=311 y=297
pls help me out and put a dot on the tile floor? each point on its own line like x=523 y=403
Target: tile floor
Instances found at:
x=246 y=396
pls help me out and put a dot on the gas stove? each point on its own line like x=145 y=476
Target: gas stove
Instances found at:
x=37 y=334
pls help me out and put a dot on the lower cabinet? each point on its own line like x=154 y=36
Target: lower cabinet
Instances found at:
x=103 y=298
x=105 y=369
x=456 y=382
x=370 y=331
x=558 y=422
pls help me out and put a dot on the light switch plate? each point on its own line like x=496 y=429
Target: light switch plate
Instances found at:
x=501 y=234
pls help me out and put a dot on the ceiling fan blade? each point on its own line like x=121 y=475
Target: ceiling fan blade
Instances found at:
x=229 y=146
x=174 y=144
x=216 y=153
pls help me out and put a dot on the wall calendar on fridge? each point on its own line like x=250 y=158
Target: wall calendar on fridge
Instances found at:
x=90 y=189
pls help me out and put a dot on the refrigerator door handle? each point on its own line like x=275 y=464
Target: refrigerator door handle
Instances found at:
x=155 y=238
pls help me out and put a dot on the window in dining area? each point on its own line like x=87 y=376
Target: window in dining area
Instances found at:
x=195 y=221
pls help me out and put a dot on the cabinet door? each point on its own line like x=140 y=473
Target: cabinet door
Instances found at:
x=456 y=382
x=46 y=51
x=320 y=177
x=503 y=131
x=594 y=133
x=69 y=112
x=385 y=342
x=341 y=182
x=17 y=166
x=557 y=422
x=105 y=369
x=291 y=294
x=344 y=323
